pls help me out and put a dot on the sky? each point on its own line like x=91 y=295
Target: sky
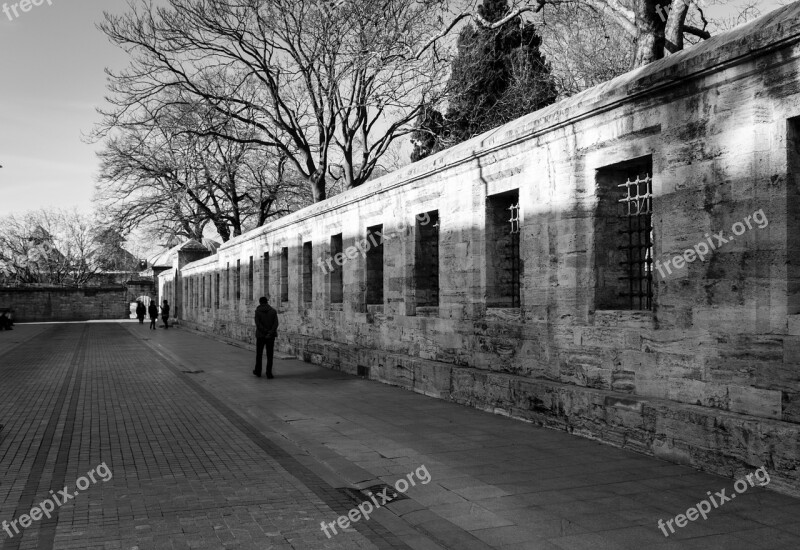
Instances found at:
x=52 y=61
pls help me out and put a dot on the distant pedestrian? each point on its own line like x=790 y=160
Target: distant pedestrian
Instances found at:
x=141 y=311
x=5 y=322
x=266 y=332
x=165 y=313
x=153 y=311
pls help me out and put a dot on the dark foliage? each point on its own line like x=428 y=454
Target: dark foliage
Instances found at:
x=497 y=76
x=429 y=133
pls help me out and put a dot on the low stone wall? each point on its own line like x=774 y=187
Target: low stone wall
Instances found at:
x=705 y=374
x=39 y=304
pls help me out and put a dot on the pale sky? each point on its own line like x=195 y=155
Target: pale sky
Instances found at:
x=51 y=79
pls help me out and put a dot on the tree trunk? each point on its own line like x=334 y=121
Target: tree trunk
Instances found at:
x=223 y=230
x=317 y=181
x=650 y=37
x=674 y=30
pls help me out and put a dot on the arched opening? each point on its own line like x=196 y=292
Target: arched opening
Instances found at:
x=145 y=299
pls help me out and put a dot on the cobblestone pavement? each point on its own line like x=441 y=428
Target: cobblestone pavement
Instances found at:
x=204 y=455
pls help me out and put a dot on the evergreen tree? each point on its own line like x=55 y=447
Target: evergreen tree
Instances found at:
x=428 y=135
x=498 y=75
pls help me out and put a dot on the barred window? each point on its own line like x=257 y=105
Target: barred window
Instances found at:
x=375 y=266
x=216 y=290
x=624 y=236
x=238 y=280
x=336 y=275
x=426 y=259
x=504 y=269
x=308 y=274
x=265 y=276
x=637 y=204
x=285 y=274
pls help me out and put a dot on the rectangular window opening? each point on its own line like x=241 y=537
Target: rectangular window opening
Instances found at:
x=792 y=215
x=284 y=274
x=251 y=290
x=337 y=279
x=238 y=280
x=504 y=268
x=426 y=259
x=375 y=265
x=216 y=290
x=624 y=236
x=265 y=275
x=308 y=273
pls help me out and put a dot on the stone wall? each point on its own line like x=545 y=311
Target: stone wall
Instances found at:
x=37 y=304
x=703 y=372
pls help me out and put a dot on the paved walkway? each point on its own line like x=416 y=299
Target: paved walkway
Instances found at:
x=201 y=454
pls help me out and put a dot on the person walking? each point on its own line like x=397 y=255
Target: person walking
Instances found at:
x=165 y=313
x=266 y=332
x=5 y=322
x=153 y=311
x=141 y=311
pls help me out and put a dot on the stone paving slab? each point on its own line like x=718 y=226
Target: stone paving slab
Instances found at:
x=184 y=475
x=204 y=455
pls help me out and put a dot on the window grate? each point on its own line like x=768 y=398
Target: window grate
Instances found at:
x=514 y=221
x=637 y=208
x=515 y=261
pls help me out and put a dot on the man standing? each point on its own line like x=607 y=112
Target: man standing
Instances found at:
x=153 y=311
x=266 y=332
x=165 y=313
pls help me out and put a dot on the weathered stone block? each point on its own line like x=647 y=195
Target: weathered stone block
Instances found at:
x=754 y=401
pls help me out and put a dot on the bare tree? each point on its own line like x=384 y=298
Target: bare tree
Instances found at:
x=174 y=168
x=584 y=49
x=655 y=27
x=329 y=89
x=47 y=247
x=141 y=183
x=591 y=41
